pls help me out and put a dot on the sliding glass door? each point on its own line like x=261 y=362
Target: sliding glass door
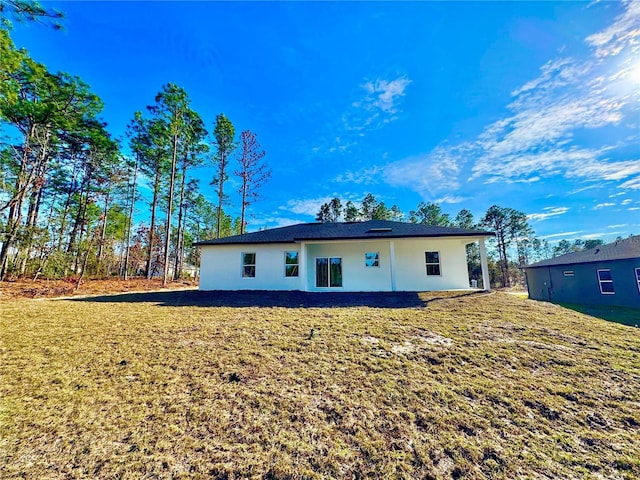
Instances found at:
x=328 y=272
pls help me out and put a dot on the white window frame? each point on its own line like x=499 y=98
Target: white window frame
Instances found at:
x=376 y=261
x=428 y=264
x=244 y=265
x=297 y=264
x=600 y=282
x=637 y=273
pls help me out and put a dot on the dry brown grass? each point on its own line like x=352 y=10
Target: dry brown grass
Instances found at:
x=24 y=288
x=196 y=385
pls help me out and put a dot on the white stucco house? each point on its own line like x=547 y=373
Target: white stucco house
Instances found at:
x=370 y=256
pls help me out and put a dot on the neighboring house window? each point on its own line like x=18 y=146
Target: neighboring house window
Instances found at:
x=328 y=272
x=372 y=259
x=248 y=265
x=638 y=278
x=606 y=282
x=433 y=262
x=568 y=273
x=290 y=264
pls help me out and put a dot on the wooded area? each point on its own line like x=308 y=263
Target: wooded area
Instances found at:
x=71 y=193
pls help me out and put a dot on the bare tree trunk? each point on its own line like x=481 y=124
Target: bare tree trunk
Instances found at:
x=130 y=220
x=103 y=231
x=12 y=228
x=223 y=164
x=177 y=264
x=85 y=261
x=65 y=210
x=170 y=204
x=156 y=188
x=244 y=204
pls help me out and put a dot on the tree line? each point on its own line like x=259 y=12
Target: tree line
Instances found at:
x=69 y=190
x=513 y=246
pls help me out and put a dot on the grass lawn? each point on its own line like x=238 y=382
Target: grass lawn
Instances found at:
x=291 y=386
x=626 y=316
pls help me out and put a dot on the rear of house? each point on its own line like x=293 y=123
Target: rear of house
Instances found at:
x=606 y=275
x=350 y=256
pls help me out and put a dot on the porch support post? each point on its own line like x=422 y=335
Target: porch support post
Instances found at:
x=302 y=268
x=484 y=265
x=392 y=264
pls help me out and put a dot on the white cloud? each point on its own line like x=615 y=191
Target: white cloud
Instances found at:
x=583 y=189
x=603 y=205
x=626 y=201
x=548 y=70
x=367 y=176
x=599 y=235
x=309 y=206
x=379 y=105
x=451 y=199
x=623 y=32
x=537 y=139
x=273 y=222
x=429 y=175
x=633 y=184
x=618 y=226
x=563 y=234
x=384 y=94
x=549 y=212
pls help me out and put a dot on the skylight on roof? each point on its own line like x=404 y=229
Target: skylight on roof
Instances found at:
x=378 y=230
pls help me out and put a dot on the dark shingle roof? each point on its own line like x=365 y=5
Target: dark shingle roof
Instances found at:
x=345 y=231
x=618 y=250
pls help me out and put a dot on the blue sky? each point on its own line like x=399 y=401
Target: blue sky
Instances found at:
x=534 y=106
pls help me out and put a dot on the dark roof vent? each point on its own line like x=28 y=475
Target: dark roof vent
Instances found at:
x=378 y=230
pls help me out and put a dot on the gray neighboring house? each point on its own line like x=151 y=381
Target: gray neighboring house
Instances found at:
x=606 y=275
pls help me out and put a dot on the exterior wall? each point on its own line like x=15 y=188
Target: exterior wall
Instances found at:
x=356 y=277
x=411 y=270
x=221 y=268
x=583 y=286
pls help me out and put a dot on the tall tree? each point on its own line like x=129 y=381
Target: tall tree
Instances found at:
x=330 y=211
x=223 y=133
x=464 y=219
x=172 y=104
x=510 y=226
x=351 y=212
x=135 y=133
x=368 y=207
x=521 y=233
x=497 y=219
x=153 y=164
x=430 y=214
x=396 y=214
x=253 y=172
x=192 y=150
x=39 y=105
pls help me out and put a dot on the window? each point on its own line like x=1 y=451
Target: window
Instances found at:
x=606 y=282
x=372 y=259
x=568 y=273
x=638 y=278
x=328 y=272
x=248 y=265
x=433 y=262
x=290 y=264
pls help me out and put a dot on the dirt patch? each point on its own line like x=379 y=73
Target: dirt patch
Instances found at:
x=11 y=290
